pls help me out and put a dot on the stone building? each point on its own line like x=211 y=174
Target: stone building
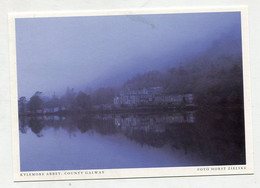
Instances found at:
x=153 y=96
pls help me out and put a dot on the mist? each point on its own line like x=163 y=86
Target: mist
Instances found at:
x=106 y=51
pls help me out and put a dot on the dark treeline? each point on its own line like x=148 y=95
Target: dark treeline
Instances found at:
x=70 y=101
x=213 y=77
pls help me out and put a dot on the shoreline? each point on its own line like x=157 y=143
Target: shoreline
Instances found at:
x=144 y=109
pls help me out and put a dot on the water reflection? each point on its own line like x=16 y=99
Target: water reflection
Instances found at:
x=174 y=139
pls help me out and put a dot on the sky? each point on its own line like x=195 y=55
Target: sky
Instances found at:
x=105 y=51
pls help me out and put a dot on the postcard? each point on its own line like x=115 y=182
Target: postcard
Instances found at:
x=130 y=93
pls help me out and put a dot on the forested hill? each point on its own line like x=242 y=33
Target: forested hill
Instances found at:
x=214 y=76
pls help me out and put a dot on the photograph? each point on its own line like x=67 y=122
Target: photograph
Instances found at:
x=129 y=94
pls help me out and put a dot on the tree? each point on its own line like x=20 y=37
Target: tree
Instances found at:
x=54 y=101
x=103 y=96
x=22 y=104
x=83 y=101
x=68 y=100
x=35 y=102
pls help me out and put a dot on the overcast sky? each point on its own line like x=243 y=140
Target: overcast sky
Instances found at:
x=97 y=51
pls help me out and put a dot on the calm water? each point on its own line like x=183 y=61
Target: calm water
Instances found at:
x=131 y=140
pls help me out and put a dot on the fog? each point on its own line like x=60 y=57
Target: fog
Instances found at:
x=105 y=51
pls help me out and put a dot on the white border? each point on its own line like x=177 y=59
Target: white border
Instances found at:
x=135 y=172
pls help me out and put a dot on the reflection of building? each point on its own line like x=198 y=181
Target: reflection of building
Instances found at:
x=153 y=95
x=152 y=123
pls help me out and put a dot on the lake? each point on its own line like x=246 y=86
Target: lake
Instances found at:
x=132 y=140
